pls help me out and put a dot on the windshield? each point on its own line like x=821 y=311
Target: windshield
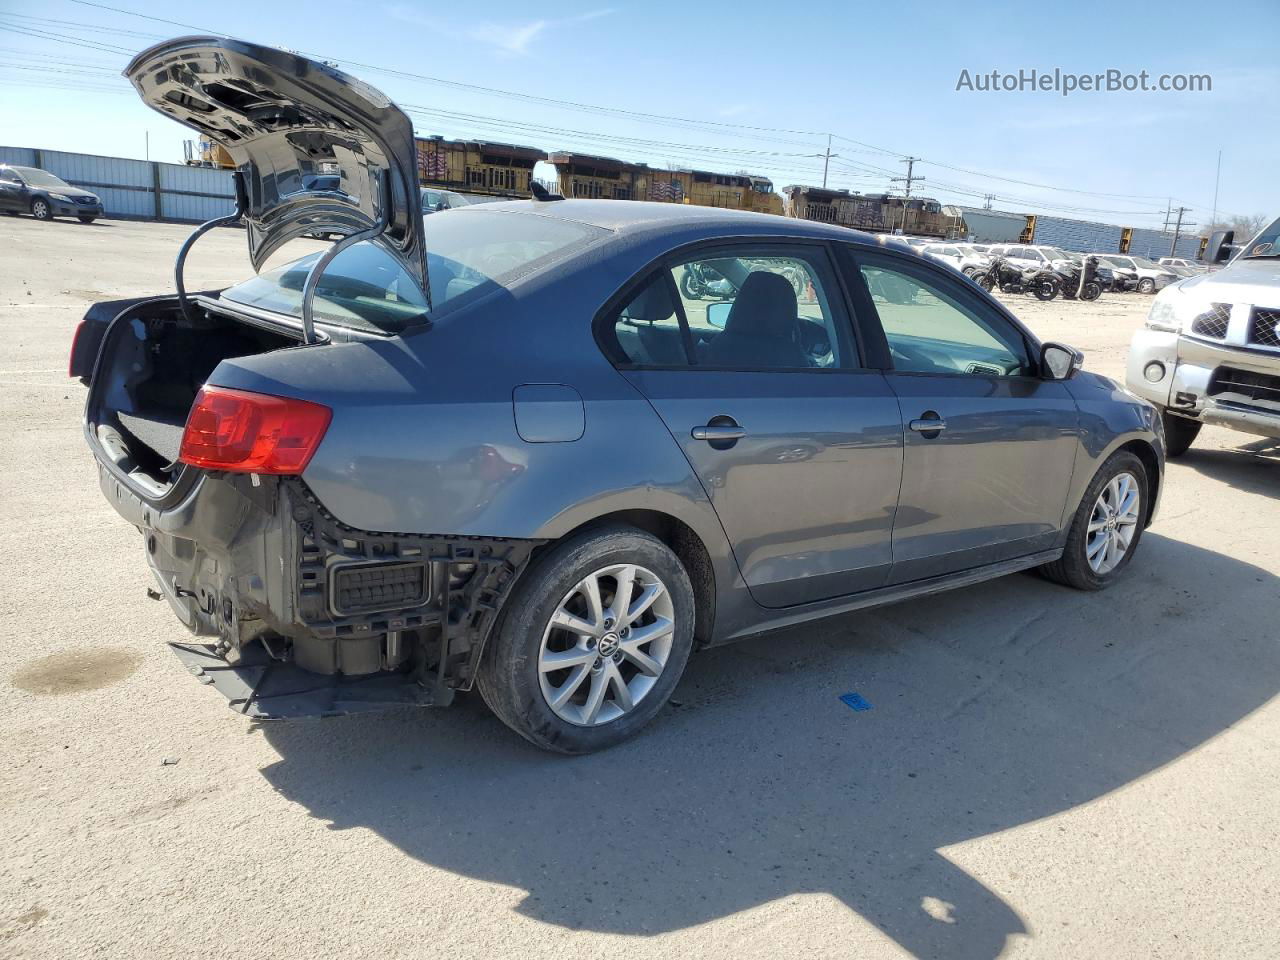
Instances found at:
x=469 y=252
x=40 y=178
x=1114 y=261
x=1145 y=264
x=1265 y=245
x=1057 y=254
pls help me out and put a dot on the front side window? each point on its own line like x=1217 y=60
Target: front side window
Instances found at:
x=932 y=330
x=741 y=308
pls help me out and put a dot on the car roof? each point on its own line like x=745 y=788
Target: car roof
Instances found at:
x=624 y=216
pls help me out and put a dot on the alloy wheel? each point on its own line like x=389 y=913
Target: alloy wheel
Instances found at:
x=1113 y=523
x=40 y=210
x=606 y=644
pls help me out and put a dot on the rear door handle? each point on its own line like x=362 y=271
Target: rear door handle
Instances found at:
x=929 y=425
x=724 y=432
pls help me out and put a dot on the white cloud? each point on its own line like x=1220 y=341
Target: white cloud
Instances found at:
x=512 y=39
x=508 y=38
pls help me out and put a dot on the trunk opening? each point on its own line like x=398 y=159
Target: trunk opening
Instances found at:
x=152 y=364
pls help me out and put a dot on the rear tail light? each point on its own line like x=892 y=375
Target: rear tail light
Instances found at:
x=252 y=432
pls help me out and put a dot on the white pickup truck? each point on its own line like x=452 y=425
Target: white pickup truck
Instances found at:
x=1210 y=350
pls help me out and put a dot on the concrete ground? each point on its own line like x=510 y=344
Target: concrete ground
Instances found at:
x=1042 y=773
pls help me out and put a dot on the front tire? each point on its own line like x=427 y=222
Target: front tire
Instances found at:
x=1046 y=290
x=41 y=210
x=1107 y=526
x=573 y=669
x=84 y=219
x=1091 y=291
x=1179 y=433
x=1146 y=285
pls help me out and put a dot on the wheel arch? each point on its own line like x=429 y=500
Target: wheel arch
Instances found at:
x=1145 y=452
x=678 y=537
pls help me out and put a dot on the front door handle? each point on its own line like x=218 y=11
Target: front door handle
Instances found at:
x=930 y=424
x=719 y=432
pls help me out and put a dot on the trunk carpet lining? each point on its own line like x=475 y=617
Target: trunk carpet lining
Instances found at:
x=161 y=434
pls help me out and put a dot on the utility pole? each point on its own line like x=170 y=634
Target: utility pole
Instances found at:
x=826 y=159
x=908 y=180
x=1177 y=230
x=1168 y=212
x=1216 y=177
x=988 y=200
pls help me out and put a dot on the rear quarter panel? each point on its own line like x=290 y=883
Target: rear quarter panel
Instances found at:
x=424 y=437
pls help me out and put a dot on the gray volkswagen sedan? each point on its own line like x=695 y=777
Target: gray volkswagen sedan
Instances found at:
x=500 y=449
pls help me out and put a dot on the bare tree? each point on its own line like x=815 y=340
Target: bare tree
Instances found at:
x=1244 y=226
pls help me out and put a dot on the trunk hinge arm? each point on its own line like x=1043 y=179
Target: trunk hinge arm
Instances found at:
x=180 y=265
x=318 y=268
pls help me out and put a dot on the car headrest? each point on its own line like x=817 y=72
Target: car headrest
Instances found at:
x=765 y=305
x=652 y=304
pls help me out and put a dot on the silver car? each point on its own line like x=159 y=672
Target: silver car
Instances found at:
x=507 y=453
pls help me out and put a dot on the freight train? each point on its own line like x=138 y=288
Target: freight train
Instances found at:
x=477 y=166
x=506 y=170
x=873 y=212
x=583 y=175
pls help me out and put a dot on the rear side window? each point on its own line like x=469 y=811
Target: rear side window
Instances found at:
x=742 y=308
x=648 y=330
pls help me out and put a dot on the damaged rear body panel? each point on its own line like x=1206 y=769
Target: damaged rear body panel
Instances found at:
x=304 y=616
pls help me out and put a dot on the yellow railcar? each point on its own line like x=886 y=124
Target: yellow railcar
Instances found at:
x=476 y=166
x=583 y=175
x=873 y=212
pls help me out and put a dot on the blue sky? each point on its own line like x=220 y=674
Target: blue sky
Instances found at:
x=881 y=77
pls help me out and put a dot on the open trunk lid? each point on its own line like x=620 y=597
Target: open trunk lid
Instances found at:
x=318 y=151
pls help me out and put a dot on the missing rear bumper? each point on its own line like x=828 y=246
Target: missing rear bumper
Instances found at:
x=265 y=689
x=306 y=616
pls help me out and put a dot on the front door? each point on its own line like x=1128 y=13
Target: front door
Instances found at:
x=747 y=354
x=989 y=444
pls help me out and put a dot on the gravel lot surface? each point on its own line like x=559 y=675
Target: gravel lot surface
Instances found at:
x=1042 y=773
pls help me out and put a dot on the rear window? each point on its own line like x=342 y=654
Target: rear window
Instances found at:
x=469 y=253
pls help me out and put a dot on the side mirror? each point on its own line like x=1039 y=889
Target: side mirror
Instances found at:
x=1218 y=249
x=718 y=313
x=1060 y=362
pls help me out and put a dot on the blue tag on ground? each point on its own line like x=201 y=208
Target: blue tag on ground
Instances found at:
x=854 y=702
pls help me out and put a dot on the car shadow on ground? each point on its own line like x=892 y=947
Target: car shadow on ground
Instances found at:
x=990 y=707
x=1253 y=467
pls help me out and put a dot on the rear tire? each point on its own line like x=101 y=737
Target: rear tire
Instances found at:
x=1091 y=291
x=612 y=682
x=1046 y=290
x=40 y=209
x=1179 y=433
x=985 y=281
x=1092 y=527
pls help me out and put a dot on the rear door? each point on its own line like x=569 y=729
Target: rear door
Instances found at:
x=798 y=446
x=989 y=444
x=12 y=191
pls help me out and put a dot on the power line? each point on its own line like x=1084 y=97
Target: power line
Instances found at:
x=720 y=127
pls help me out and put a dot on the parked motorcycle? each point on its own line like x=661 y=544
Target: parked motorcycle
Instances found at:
x=1080 y=281
x=1045 y=284
x=701 y=282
